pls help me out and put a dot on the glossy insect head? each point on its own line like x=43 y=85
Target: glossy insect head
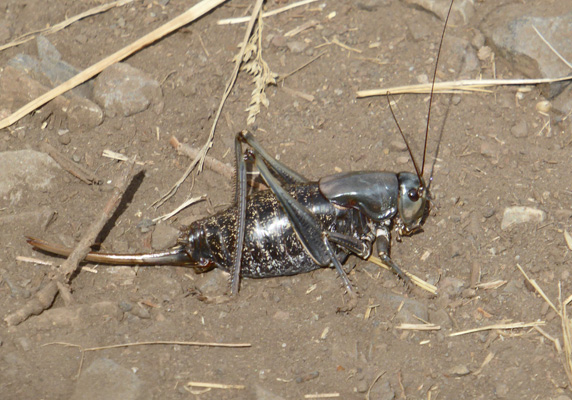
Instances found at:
x=412 y=202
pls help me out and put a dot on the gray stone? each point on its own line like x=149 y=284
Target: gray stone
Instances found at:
x=512 y=35
x=441 y=318
x=104 y=379
x=124 y=90
x=214 y=282
x=459 y=370
x=410 y=309
x=28 y=169
x=463 y=10
x=83 y=115
x=164 y=236
x=57 y=70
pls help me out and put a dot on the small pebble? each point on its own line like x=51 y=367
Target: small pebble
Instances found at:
x=484 y=53
x=125 y=306
x=362 y=387
x=459 y=370
x=501 y=389
x=24 y=343
x=520 y=129
x=478 y=40
x=488 y=212
x=520 y=215
x=64 y=139
x=297 y=46
x=398 y=145
x=544 y=106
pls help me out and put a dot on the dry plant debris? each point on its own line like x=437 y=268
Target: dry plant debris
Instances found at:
x=253 y=63
x=566 y=323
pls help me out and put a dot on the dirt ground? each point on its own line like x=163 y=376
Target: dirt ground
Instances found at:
x=300 y=345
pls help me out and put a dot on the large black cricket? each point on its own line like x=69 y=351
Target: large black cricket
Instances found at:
x=297 y=225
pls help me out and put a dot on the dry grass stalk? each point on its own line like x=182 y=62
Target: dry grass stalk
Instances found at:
x=68 y=21
x=373 y=383
x=200 y=159
x=566 y=336
x=34 y=261
x=193 y=13
x=416 y=280
x=486 y=361
x=180 y=208
x=231 y=21
x=214 y=385
x=565 y=61
x=322 y=395
x=468 y=85
x=418 y=327
x=118 y=156
x=253 y=63
x=568 y=239
x=514 y=325
x=539 y=290
x=491 y=285
x=566 y=324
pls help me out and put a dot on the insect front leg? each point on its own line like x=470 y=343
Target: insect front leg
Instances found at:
x=383 y=239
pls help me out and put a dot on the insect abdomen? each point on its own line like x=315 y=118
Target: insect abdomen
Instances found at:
x=271 y=247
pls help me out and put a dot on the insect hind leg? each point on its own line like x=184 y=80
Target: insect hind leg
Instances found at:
x=308 y=229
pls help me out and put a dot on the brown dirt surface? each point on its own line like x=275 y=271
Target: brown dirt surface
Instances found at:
x=300 y=344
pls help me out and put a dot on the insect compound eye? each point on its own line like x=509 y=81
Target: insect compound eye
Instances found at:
x=413 y=195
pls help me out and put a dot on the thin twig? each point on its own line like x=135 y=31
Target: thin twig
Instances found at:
x=41 y=301
x=193 y=13
x=282 y=77
x=166 y=342
x=70 y=265
x=373 y=383
x=211 y=163
x=83 y=174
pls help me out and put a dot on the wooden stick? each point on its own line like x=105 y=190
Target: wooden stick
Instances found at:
x=188 y=16
x=45 y=297
x=211 y=163
x=76 y=170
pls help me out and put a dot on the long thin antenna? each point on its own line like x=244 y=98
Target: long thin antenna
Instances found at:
x=433 y=87
x=404 y=139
